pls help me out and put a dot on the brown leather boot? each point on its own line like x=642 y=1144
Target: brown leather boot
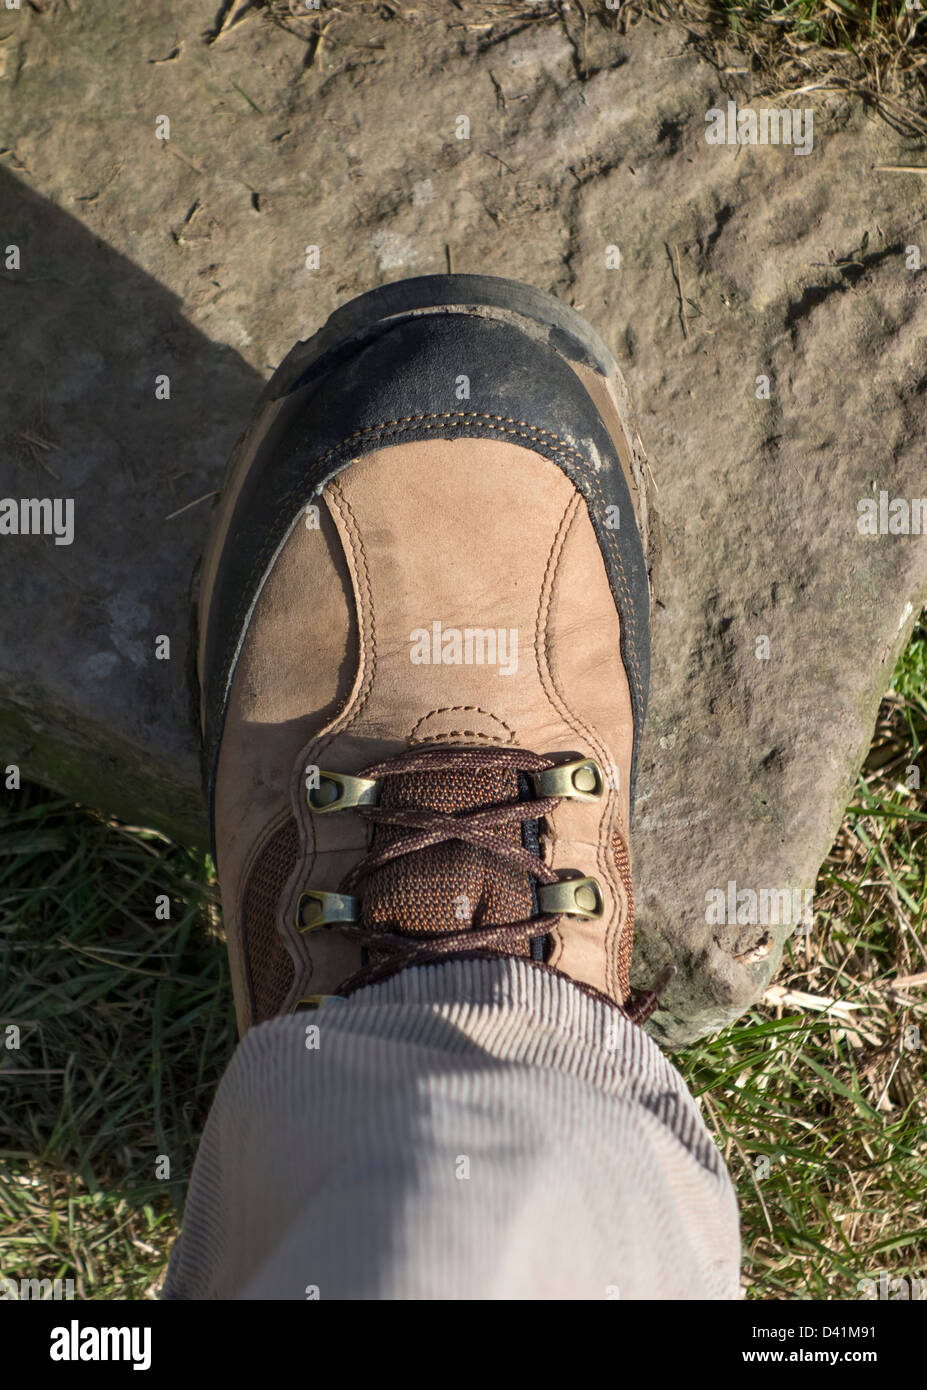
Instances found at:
x=424 y=650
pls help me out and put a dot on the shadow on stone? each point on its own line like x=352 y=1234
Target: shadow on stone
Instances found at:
x=86 y=706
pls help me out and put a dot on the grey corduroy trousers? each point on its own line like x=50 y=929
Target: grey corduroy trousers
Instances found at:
x=470 y=1130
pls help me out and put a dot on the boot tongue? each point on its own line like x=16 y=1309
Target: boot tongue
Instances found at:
x=451 y=886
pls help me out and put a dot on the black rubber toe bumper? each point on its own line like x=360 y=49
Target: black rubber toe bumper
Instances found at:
x=385 y=370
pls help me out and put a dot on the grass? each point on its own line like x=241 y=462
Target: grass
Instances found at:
x=125 y=1028
x=126 y=1024
x=876 y=51
x=792 y=49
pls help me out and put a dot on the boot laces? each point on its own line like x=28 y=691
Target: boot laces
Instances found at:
x=388 y=952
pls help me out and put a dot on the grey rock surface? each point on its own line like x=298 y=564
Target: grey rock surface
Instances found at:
x=141 y=258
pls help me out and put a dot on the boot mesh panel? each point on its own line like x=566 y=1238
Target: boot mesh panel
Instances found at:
x=268 y=964
x=449 y=886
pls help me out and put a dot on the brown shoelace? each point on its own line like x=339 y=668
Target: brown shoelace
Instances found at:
x=389 y=951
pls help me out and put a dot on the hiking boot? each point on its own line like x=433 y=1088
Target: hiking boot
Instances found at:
x=424 y=648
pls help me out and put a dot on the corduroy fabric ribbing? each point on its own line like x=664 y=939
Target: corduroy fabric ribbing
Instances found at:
x=478 y=1129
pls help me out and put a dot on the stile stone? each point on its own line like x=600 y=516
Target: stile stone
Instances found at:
x=150 y=284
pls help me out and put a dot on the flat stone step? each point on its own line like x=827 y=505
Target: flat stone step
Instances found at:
x=770 y=323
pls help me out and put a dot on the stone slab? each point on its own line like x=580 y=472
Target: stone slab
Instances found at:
x=776 y=623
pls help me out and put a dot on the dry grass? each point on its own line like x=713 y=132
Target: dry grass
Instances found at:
x=782 y=50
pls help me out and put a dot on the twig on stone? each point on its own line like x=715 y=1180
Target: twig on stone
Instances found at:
x=187 y=505
x=174 y=150
x=677 y=271
x=32 y=442
x=314 y=48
